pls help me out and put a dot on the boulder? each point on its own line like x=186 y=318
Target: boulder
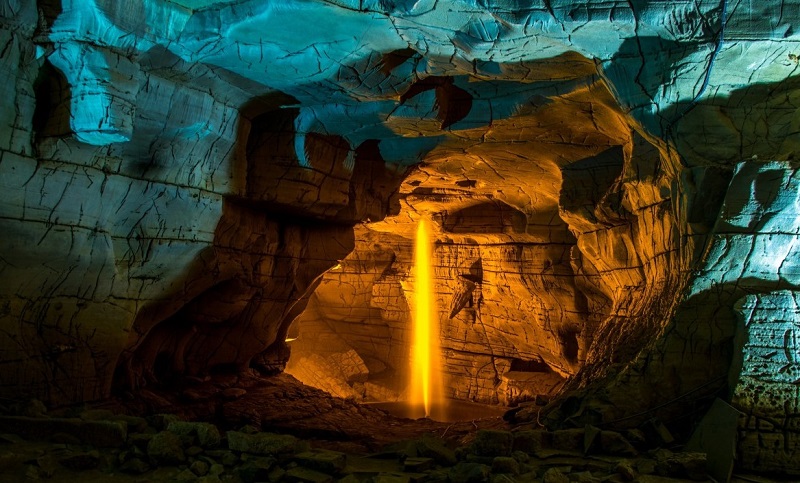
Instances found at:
x=81 y=461
x=134 y=466
x=469 y=473
x=554 y=475
x=255 y=469
x=492 y=443
x=331 y=462
x=531 y=442
x=262 y=443
x=206 y=434
x=435 y=448
x=165 y=448
x=505 y=464
x=683 y=465
x=199 y=468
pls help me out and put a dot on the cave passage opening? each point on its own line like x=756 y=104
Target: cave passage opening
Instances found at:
x=517 y=302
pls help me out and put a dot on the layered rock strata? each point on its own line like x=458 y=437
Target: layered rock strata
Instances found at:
x=611 y=185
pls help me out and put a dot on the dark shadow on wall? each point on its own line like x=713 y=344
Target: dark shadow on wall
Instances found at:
x=52 y=113
x=241 y=295
x=723 y=130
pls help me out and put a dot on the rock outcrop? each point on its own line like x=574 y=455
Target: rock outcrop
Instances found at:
x=613 y=189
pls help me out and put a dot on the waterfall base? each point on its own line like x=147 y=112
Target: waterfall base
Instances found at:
x=451 y=411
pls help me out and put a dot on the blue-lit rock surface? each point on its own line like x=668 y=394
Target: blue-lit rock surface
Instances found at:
x=612 y=185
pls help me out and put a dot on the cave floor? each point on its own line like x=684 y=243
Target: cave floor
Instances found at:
x=282 y=404
x=257 y=413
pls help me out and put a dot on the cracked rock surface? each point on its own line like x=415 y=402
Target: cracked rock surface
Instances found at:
x=186 y=184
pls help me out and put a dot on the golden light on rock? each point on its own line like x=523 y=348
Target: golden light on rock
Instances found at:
x=425 y=391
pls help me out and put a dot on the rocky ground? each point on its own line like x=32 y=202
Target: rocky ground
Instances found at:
x=304 y=435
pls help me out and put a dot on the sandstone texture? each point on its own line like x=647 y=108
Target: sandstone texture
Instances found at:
x=200 y=187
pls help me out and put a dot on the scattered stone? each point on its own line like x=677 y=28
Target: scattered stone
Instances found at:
x=502 y=478
x=216 y=470
x=208 y=479
x=433 y=447
x=186 y=475
x=521 y=457
x=554 y=475
x=469 y=473
x=31 y=472
x=683 y=465
x=330 y=462
x=305 y=475
x=658 y=433
x=505 y=464
x=636 y=437
x=9 y=438
x=193 y=451
x=96 y=415
x=590 y=437
x=33 y=409
x=9 y=460
x=583 y=477
x=492 y=443
x=139 y=440
x=161 y=421
x=391 y=478
x=64 y=438
x=417 y=464
x=625 y=469
x=646 y=466
x=255 y=469
x=277 y=474
x=229 y=459
x=81 y=461
x=199 y=468
x=248 y=429
x=472 y=458
x=206 y=433
x=165 y=448
x=135 y=466
x=261 y=443
x=47 y=465
x=233 y=393
x=531 y=442
x=569 y=439
x=135 y=424
x=614 y=443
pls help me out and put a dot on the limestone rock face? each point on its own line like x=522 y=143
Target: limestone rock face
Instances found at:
x=612 y=188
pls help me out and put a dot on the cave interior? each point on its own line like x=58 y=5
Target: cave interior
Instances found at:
x=209 y=211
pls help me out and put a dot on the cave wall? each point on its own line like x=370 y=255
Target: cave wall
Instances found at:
x=179 y=177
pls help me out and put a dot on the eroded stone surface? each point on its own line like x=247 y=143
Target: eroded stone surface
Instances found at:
x=180 y=179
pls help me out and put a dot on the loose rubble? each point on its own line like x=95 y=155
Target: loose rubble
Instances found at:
x=107 y=447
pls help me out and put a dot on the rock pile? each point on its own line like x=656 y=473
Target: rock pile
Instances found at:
x=98 y=445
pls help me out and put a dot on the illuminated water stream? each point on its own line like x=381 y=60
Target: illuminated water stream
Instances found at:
x=425 y=392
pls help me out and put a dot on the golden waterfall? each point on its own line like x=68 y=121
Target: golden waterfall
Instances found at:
x=426 y=365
